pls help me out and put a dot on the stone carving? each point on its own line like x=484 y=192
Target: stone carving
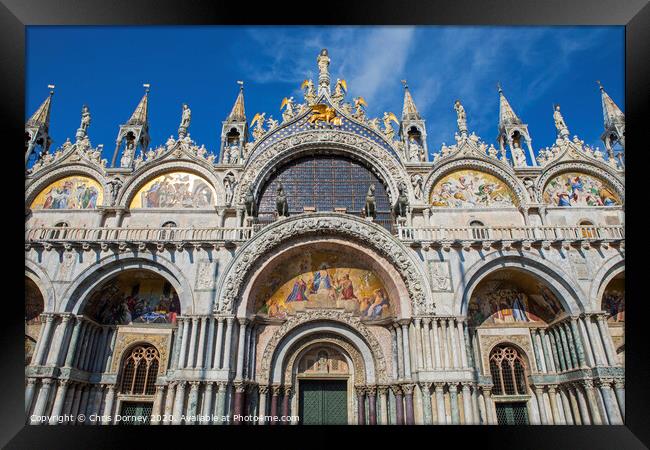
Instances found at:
x=229 y=185
x=560 y=125
x=529 y=184
x=114 y=186
x=259 y=130
x=416 y=182
x=389 y=131
x=461 y=117
x=185 y=120
x=272 y=236
x=287 y=104
x=249 y=202
x=323 y=315
x=518 y=156
x=205 y=274
x=281 y=204
x=488 y=342
x=82 y=132
x=310 y=94
x=401 y=206
x=440 y=276
x=371 y=206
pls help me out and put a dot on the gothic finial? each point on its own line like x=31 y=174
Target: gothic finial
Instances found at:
x=499 y=87
x=506 y=114
x=146 y=87
x=51 y=88
x=406 y=86
x=140 y=115
x=238 y=113
x=409 y=110
x=323 y=61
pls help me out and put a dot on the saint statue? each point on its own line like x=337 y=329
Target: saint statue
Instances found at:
x=461 y=117
x=323 y=61
x=559 y=122
x=518 y=155
x=85 y=118
x=229 y=185
x=185 y=119
x=416 y=181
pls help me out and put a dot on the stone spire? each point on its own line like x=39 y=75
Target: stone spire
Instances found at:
x=238 y=113
x=614 y=121
x=513 y=133
x=134 y=133
x=234 y=131
x=412 y=131
x=410 y=111
x=38 y=126
x=507 y=115
x=323 y=61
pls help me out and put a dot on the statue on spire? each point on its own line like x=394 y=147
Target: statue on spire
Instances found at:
x=323 y=61
x=461 y=118
x=562 y=129
x=185 y=120
x=82 y=132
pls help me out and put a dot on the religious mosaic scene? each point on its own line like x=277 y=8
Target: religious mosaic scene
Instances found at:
x=325 y=264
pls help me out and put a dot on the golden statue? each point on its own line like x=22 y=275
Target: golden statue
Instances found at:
x=310 y=94
x=340 y=89
x=259 y=130
x=359 y=103
x=388 y=128
x=324 y=113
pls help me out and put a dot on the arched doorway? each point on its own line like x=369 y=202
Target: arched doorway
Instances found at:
x=34 y=306
x=613 y=303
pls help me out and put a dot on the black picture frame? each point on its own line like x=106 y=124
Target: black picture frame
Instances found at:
x=15 y=15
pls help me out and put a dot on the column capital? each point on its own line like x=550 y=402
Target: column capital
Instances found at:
x=159 y=387
x=239 y=386
x=31 y=381
x=408 y=388
x=426 y=321
x=65 y=382
x=276 y=389
x=371 y=390
x=194 y=385
x=453 y=388
x=439 y=386
x=222 y=385
x=552 y=388
x=619 y=383
x=209 y=384
x=465 y=385
x=604 y=382
x=287 y=390
x=382 y=389
x=360 y=389
x=46 y=381
x=397 y=389
x=404 y=322
x=243 y=321
x=589 y=384
x=263 y=389
x=181 y=384
x=426 y=386
x=417 y=321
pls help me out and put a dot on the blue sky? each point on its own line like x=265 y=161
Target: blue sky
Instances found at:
x=105 y=67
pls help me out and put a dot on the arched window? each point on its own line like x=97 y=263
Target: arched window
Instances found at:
x=479 y=232
x=325 y=183
x=587 y=229
x=508 y=371
x=168 y=234
x=59 y=234
x=140 y=370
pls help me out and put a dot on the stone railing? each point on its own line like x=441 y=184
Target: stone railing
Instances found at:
x=512 y=234
x=136 y=235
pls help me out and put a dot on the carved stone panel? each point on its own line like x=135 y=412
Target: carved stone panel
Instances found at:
x=206 y=274
x=580 y=266
x=440 y=274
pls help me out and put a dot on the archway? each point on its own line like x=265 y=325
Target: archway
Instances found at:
x=613 y=303
x=34 y=306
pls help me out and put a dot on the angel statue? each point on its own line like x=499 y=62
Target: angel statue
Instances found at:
x=259 y=130
x=374 y=124
x=359 y=104
x=273 y=124
x=287 y=114
x=340 y=89
x=85 y=119
x=310 y=94
x=559 y=122
x=461 y=117
x=389 y=131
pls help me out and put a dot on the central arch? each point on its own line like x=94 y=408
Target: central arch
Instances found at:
x=406 y=275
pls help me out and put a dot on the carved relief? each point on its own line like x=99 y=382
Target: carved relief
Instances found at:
x=440 y=273
x=205 y=274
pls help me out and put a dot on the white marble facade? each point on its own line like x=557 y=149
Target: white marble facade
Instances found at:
x=428 y=363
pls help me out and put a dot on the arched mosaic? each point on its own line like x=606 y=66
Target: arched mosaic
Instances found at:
x=134 y=296
x=509 y=297
x=323 y=279
x=73 y=192
x=471 y=189
x=579 y=189
x=614 y=299
x=175 y=190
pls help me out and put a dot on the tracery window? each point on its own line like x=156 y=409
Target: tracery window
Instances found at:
x=478 y=230
x=508 y=371
x=140 y=370
x=168 y=234
x=325 y=183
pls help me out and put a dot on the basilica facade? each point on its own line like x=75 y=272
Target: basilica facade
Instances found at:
x=325 y=268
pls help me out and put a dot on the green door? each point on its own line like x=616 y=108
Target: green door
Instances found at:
x=136 y=413
x=323 y=402
x=515 y=413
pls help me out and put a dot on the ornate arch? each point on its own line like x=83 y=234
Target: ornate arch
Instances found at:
x=330 y=141
x=603 y=173
x=79 y=291
x=39 y=276
x=304 y=324
x=143 y=175
x=127 y=341
x=480 y=165
x=568 y=292
x=238 y=271
x=47 y=177
x=608 y=270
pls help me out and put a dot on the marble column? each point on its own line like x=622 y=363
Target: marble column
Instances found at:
x=619 y=389
x=247 y=350
x=238 y=410
x=606 y=340
x=436 y=344
x=455 y=348
x=596 y=342
x=216 y=364
x=183 y=353
x=400 y=353
x=613 y=412
x=179 y=402
x=177 y=343
x=207 y=403
x=590 y=359
x=76 y=402
x=361 y=404
x=462 y=343
x=440 y=404
x=552 y=394
x=419 y=357
x=67 y=405
x=407 y=350
x=169 y=402
x=593 y=404
x=564 y=363
x=394 y=353
x=467 y=404
x=241 y=345
x=539 y=394
x=45 y=337
x=425 y=388
x=577 y=340
x=536 y=350
x=275 y=393
x=382 y=391
x=58 y=401
x=192 y=402
x=286 y=410
x=221 y=402
x=29 y=394
x=408 y=403
x=552 y=361
x=210 y=343
x=372 y=405
x=191 y=355
x=227 y=354
x=426 y=338
x=72 y=347
x=543 y=352
x=582 y=405
x=573 y=402
x=201 y=354
x=475 y=412
x=399 y=405
x=482 y=408
x=444 y=344
x=566 y=406
x=156 y=409
x=43 y=396
x=263 y=392
x=565 y=332
x=453 y=400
